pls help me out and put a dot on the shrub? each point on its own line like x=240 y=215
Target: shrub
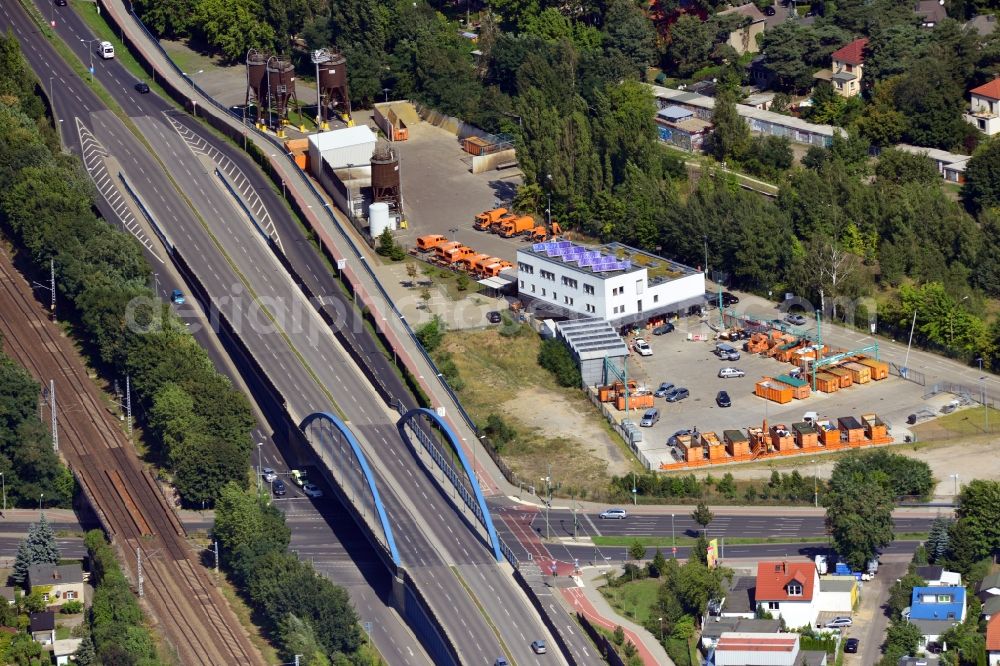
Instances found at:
x=72 y=607
x=555 y=357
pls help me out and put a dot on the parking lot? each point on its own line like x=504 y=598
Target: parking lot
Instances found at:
x=691 y=363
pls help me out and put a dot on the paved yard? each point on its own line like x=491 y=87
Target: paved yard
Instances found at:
x=870 y=620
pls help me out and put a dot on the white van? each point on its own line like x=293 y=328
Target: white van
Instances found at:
x=105 y=50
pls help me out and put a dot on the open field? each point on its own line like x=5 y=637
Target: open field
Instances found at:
x=633 y=600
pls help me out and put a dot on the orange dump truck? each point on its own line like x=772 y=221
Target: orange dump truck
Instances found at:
x=428 y=243
x=518 y=225
x=493 y=269
x=488 y=217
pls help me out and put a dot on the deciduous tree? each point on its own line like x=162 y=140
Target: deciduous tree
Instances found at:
x=859 y=514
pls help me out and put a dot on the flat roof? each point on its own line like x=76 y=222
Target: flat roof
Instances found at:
x=674 y=112
x=342 y=138
x=604 y=260
x=592 y=338
x=942 y=156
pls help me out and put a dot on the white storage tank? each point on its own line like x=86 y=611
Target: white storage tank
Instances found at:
x=378 y=219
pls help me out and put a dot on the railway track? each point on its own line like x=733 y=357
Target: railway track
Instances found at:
x=191 y=614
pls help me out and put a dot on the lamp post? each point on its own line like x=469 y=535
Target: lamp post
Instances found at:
x=548 y=499
x=816 y=484
x=673 y=537
x=548 y=209
x=705 y=240
x=88 y=42
x=3 y=481
x=260 y=445
x=955 y=476
x=386 y=91
x=635 y=497
x=40 y=497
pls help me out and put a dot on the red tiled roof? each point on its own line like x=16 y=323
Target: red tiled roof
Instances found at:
x=993 y=634
x=853 y=53
x=991 y=89
x=773 y=579
x=742 y=642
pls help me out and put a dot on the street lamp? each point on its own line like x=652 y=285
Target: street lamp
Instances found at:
x=3 y=481
x=955 y=476
x=40 y=496
x=816 y=485
x=705 y=240
x=386 y=91
x=548 y=210
x=635 y=497
x=260 y=445
x=673 y=536
x=88 y=42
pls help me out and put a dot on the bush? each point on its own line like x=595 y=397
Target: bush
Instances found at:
x=431 y=334
x=556 y=357
x=462 y=282
x=498 y=431
x=72 y=607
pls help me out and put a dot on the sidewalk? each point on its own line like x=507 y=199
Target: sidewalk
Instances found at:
x=587 y=600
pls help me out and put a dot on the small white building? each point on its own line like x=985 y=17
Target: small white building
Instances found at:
x=745 y=649
x=614 y=282
x=837 y=594
x=984 y=107
x=350 y=146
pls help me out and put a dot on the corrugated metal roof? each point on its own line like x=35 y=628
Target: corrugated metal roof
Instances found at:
x=674 y=112
x=342 y=138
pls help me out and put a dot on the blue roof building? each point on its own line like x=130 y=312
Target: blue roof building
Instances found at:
x=937 y=603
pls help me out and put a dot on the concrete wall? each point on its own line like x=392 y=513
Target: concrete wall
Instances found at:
x=482 y=163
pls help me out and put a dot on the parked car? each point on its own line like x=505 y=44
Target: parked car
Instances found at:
x=493 y=317
x=673 y=438
x=177 y=297
x=665 y=388
x=677 y=395
x=60 y=3
x=723 y=400
x=795 y=319
x=614 y=514
x=663 y=328
x=839 y=622
x=311 y=491
x=851 y=645
x=538 y=647
x=730 y=373
x=278 y=487
x=650 y=418
x=268 y=474
x=642 y=347
x=730 y=356
x=769 y=11
x=729 y=299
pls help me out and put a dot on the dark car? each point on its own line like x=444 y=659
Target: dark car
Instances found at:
x=729 y=299
x=722 y=399
x=60 y=3
x=278 y=487
x=142 y=87
x=851 y=645
x=663 y=328
x=769 y=11
x=673 y=441
x=677 y=395
x=493 y=317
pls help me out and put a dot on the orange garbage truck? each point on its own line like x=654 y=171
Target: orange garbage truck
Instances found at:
x=485 y=219
x=510 y=228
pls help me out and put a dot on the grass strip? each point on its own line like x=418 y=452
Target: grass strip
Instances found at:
x=482 y=611
x=667 y=542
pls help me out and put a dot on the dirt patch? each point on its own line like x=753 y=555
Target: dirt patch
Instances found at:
x=555 y=426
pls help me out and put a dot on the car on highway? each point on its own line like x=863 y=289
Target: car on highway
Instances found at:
x=177 y=297
x=677 y=395
x=614 y=514
x=795 y=319
x=142 y=87
x=299 y=477
x=851 y=645
x=642 y=347
x=663 y=328
x=501 y=661
x=663 y=389
x=268 y=474
x=311 y=491
x=650 y=418
x=60 y=3
x=538 y=647
x=839 y=622
x=730 y=373
x=278 y=487
x=493 y=317
x=723 y=399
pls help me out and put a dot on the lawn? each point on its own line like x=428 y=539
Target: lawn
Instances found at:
x=633 y=600
x=970 y=421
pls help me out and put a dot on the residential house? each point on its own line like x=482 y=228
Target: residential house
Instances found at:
x=838 y=594
x=43 y=627
x=848 y=68
x=931 y=12
x=935 y=610
x=984 y=107
x=739 y=601
x=744 y=38
x=759 y=74
x=714 y=627
x=951 y=166
x=991 y=607
x=934 y=575
x=64 y=649
x=984 y=25
x=58 y=583
x=993 y=641
x=989 y=587
x=734 y=649
x=788 y=590
x=919 y=661
x=679 y=128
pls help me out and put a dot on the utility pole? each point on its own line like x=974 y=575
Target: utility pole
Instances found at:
x=138 y=568
x=128 y=405
x=816 y=485
x=635 y=491
x=52 y=286
x=55 y=421
x=215 y=548
x=548 y=498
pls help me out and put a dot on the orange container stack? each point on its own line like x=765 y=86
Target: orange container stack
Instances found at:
x=635 y=401
x=842 y=374
x=875 y=428
x=805 y=435
x=781 y=438
x=826 y=382
x=827 y=433
x=861 y=374
x=879 y=369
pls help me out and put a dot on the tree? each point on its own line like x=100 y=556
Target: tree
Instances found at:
x=730 y=136
x=637 y=550
x=881 y=122
x=298 y=638
x=618 y=636
x=431 y=334
x=979 y=517
x=555 y=356
x=696 y=584
x=938 y=539
x=629 y=32
x=931 y=100
x=243 y=518
x=703 y=516
x=982 y=177
x=42 y=543
x=859 y=514
x=231 y=26
x=22 y=561
x=896 y=167
x=690 y=44
x=901 y=593
x=85 y=654
x=385 y=243
x=658 y=565
x=902 y=639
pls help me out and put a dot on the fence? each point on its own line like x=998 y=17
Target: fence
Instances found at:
x=605 y=646
x=909 y=374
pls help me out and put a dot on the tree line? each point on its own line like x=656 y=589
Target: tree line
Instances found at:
x=306 y=614
x=198 y=423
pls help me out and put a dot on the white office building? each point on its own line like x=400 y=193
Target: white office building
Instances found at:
x=614 y=282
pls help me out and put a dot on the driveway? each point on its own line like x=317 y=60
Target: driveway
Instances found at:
x=871 y=621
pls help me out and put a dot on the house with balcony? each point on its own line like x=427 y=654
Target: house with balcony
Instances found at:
x=984 y=107
x=788 y=590
x=847 y=68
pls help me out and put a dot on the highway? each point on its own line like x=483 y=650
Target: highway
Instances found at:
x=301 y=355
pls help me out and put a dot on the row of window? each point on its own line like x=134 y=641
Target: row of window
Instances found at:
x=567 y=300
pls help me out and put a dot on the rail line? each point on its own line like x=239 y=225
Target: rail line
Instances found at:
x=192 y=615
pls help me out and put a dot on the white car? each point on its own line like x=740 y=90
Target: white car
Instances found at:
x=839 y=623
x=642 y=347
x=728 y=373
x=268 y=474
x=614 y=514
x=312 y=491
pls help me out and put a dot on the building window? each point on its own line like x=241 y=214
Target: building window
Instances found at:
x=45 y=597
x=71 y=595
x=543 y=292
x=522 y=284
x=526 y=268
x=638 y=287
x=849 y=68
x=568 y=300
x=638 y=305
x=982 y=124
x=555 y=296
x=618 y=291
x=547 y=275
x=656 y=298
x=772 y=605
x=569 y=282
x=591 y=308
x=588 y=289
x=794 y=590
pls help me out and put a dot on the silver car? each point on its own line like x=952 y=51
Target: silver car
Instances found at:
x=614 y=514
x=650 y=418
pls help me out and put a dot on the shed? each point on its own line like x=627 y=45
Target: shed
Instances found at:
x=875 y=428
x=827 y=433
x=800 y=387
x=850 y=429
x=736 y=442
x=782 y=438
x=593 y=342
x=773 y=390
x=674 y=113
x=805 y=435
